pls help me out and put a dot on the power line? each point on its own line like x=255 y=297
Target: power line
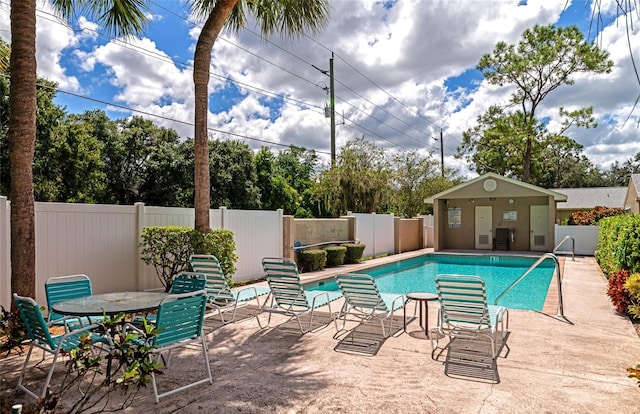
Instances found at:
x=250 y=87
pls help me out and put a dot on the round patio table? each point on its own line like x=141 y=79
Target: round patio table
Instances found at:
x=422 y=298
x=110 y=303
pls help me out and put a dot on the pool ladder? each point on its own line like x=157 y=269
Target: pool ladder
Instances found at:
x=556 y=269
x=573 y=247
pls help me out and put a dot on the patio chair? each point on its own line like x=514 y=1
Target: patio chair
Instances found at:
x=464 y=314
x=220 y=296
x=288 y=297
x=501 y=239
x=364 y=301
x=184 y=282
x=61 y=288
x=38 y=331
x=179 y=323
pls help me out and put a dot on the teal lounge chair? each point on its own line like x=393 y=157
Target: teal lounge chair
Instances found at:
x=287 y=295
x=220 y=296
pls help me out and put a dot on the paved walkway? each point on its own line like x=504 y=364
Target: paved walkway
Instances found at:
x=576 y=365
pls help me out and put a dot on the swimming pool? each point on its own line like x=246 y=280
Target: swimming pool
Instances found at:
x=418 y=275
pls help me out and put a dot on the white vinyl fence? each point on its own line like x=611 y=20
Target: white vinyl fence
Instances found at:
x=428 y=235
x=376 y=231
x=102 y=241
x=585 y=237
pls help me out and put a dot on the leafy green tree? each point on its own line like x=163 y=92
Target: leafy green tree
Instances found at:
x=360 y=181
x=4 y=119
x=168 y=173
x=415 y=178
x=544 y=60
x=118 y=17
x=275 y=190
x=619 y=174
x=297 y=167
x=67 y=163
x=564 y=166
x=292 y=18
x=233 y=175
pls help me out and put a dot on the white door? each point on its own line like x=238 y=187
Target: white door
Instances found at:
x=484 y=223
x=538 y=225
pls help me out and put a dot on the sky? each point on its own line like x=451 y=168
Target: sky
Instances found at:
x=404 y=71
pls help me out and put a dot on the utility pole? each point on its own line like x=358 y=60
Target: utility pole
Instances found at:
x=332 y=102
x=441 y=154
x=332 y=107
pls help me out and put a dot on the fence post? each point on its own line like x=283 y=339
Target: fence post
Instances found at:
x=140 y=221
x=397 y=236
x=281 y=231
x=373 y=248
x=223 y=212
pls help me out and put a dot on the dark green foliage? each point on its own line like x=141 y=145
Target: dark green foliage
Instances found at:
x=335 y=255
x=354 y=252
x=619 y=244
x=168 y=249
x=233 y=175
x=12 y=330
x=310 y=260
x=220 y=243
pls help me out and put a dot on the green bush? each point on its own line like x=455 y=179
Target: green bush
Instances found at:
x=168 y=248
x=310 y=260
x=619 y=244
x=354 y=252
x=335 y=255
x=632 y=287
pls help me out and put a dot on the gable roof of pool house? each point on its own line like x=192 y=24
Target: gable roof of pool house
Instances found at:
x=589 y=198
x=466 y=216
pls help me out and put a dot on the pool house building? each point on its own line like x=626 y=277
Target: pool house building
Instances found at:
x=495 y=212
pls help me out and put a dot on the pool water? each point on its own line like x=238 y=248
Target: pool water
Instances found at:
x=418 y=275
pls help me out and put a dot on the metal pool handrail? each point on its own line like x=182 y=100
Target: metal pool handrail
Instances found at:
x=573 y=246
x=533 y=266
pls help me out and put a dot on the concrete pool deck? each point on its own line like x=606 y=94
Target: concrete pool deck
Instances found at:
x=577 y=365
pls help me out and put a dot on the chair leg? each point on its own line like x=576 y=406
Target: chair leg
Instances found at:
x=20 y=385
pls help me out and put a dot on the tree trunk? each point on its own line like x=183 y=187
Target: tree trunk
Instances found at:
x=201 y=66
x=526 y=172
x=22 y=140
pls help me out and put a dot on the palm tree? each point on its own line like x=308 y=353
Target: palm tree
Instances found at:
x=120 y=17
x=289 y=17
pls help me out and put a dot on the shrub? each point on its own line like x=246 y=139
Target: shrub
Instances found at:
x=335 y=255
x=616 y=291
x=220 y=243
x=592 y=216
x=311 y=260
x=632 y=287
x=619 y=244
x=354 y=252
x=168 y=249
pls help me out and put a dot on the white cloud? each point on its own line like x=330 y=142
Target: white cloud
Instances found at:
x=393 y=68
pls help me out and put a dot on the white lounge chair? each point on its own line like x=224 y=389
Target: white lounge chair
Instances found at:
x=220 y=296
x=287 y=294
x=364 y=301
x=464 y=314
